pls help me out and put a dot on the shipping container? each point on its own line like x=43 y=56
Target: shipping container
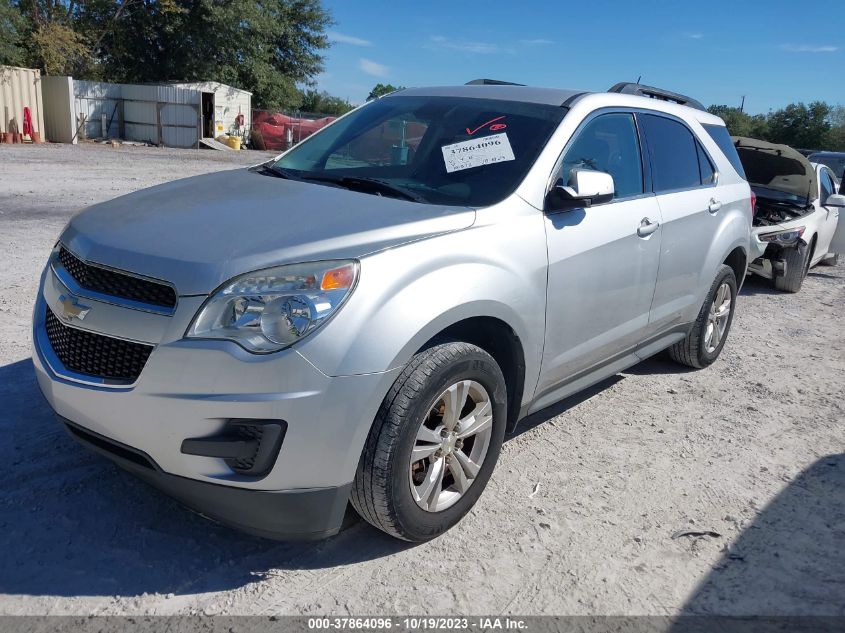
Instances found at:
x=20 y=88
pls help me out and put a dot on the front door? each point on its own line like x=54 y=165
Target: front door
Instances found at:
x=603 y=259
x=830 y=214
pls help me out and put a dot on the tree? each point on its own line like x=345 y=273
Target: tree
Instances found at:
x=741 y=124
x=273 y=48
x=12 y=25
x=836 y=136
x=380 y=90
x=801 y=126
x=59 y=50
x=266 y=47
x=317 y=102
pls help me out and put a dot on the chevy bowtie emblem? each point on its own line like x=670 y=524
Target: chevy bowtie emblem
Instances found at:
x=72 y=309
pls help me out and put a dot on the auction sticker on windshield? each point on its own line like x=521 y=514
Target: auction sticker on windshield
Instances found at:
x=477 y=152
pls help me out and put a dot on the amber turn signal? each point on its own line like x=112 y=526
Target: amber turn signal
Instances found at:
x=338 y=278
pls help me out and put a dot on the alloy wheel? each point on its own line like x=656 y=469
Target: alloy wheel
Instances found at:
x=717 y=320
x=450 y=445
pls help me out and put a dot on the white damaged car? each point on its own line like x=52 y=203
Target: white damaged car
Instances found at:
x=796 y=213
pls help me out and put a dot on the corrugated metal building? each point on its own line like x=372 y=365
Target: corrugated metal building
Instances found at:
x=20 y=88
x=224 y=102
x=173 y=114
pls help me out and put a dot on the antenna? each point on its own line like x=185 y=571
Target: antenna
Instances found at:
x=742 y=105
x=638 y=78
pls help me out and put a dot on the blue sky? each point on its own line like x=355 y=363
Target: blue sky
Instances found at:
x=772 y=52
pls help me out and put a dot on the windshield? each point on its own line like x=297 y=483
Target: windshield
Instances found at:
x=776 y=195
x=439 y=150
x=836 y=162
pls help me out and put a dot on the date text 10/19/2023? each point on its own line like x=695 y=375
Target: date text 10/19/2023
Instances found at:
x=423 y=623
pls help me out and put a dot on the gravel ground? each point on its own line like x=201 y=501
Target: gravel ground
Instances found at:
x=579 y=517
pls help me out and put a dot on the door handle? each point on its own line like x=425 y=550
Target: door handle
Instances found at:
x=715 y=205
x=647 y=227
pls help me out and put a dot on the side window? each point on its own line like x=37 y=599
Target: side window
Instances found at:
x=705 y=167
x=825 y=186
x=674 y=154
x=608 y=143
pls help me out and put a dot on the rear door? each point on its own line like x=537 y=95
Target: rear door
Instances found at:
x=684 y=180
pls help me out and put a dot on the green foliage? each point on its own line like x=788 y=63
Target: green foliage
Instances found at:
x=269 y=47
x=58 y=49
x=12 y=26
x=799 y=125
x=265 y=47
x=741 y=124
x=317 y=102
x=836 y=138
x=380 y=90
x=814 y=126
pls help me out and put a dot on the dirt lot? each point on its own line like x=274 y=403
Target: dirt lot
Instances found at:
x=752 y=449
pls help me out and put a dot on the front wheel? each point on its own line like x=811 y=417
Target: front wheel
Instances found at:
x=797 y=266
x=704 y=343
x=434 y=443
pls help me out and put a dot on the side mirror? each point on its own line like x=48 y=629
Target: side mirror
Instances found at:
x=585 y=188
x=836 y=200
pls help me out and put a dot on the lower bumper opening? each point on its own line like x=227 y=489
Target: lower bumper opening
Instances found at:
x=110 y=447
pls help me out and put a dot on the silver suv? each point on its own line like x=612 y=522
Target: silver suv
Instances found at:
x=365 y=317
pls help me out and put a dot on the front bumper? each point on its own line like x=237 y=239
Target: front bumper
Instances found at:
x=191 y=389
x=285 y=515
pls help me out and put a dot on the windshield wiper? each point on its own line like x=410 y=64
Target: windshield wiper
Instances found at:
x=270 y=169
x=373 y=185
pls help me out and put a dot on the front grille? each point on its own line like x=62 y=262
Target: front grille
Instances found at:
x=117 y=284
x=94 y=354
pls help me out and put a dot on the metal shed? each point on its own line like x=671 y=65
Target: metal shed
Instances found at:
x=221 y=105
x=20 y=88
x=171 y=114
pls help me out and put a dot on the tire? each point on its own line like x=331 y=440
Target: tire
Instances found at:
x=382 y=490
x=694 y=351
x=797 y=264
x=833 y=260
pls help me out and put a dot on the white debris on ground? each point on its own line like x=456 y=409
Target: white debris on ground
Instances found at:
x=745 y=459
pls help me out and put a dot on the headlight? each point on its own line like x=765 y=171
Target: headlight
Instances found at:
x=271 y=309
x=783 y=237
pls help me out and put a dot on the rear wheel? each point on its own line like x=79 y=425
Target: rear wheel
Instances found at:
x=797 y=264
x=705 y=341
x=434 y=443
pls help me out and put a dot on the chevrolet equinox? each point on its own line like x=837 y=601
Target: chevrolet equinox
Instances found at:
x=363 y=318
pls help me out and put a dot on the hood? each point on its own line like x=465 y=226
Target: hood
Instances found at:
x=777 y=167
x=199 y=232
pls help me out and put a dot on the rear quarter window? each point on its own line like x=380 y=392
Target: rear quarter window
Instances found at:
x=722 y=138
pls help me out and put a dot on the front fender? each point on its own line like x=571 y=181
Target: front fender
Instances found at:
x=407 y=295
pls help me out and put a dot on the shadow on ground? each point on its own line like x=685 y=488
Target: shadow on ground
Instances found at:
x=792 y=556
x=754 y=285
x=73 y=524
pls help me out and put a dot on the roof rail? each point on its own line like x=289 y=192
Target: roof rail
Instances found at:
x=491 y=82
x=631 y=88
